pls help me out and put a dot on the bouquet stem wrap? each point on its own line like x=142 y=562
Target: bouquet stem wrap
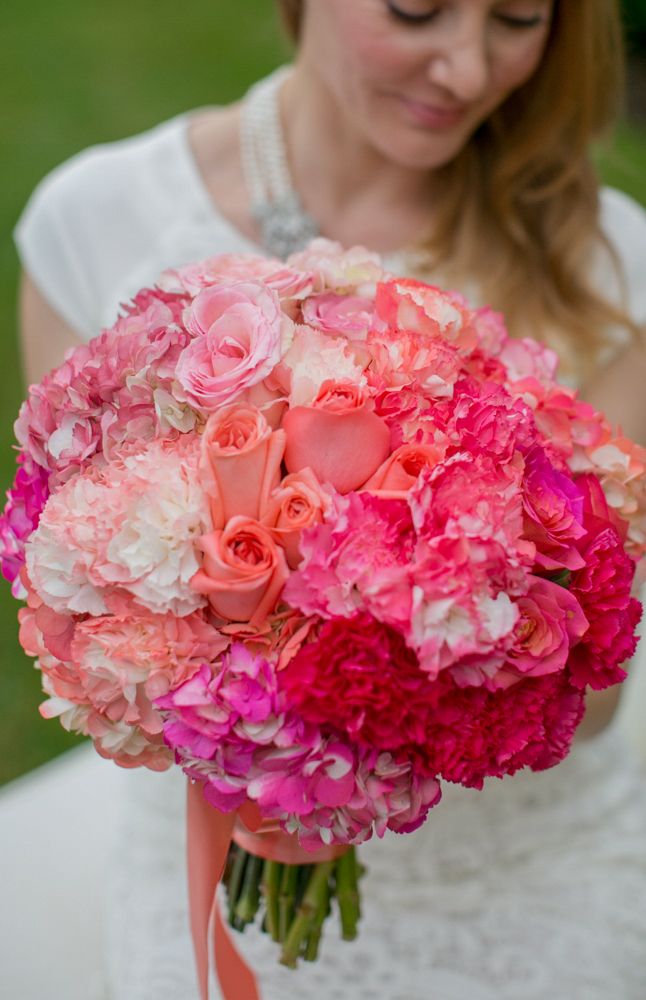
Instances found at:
x=209 y=837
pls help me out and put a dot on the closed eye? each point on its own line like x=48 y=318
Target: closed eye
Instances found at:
x=521 y=22
x=407 y=17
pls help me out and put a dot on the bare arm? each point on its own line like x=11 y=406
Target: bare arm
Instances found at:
x=44 y=335
x=619 y=391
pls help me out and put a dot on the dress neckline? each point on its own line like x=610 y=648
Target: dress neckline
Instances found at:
x=209 y=210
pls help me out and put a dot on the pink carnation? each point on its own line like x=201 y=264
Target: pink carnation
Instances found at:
x=356 y=557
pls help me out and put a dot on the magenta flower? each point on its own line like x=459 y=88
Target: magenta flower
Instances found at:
x=25 y=502
x=553 y=506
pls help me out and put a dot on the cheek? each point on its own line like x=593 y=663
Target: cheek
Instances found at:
x=351 y=45
x=513 y=66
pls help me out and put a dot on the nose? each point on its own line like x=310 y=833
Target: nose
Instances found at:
x=461 y=66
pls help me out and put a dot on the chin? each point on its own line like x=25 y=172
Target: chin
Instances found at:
x=422 y=152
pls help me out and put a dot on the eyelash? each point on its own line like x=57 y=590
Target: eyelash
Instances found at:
x=412 y=20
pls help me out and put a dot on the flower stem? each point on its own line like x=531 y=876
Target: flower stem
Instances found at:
x=271 y=877
x=313 y=940
x=288 y=881
x=314 y=902
x=249 y=899
x=347 y=893
x=235 y=882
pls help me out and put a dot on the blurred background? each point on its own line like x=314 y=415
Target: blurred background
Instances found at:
x=78 y=73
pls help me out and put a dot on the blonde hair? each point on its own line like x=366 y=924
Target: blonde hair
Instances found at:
x=519 y=206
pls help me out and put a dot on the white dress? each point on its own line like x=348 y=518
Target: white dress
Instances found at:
x=534 y=889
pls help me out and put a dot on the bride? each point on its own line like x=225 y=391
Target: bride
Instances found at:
x=453 y=138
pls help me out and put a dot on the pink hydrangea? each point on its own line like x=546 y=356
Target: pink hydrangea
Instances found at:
x=388 y=794
x=103 y=394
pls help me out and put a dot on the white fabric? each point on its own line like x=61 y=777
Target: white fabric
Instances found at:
x=533 y=889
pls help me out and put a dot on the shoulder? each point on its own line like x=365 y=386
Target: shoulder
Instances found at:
x=102 y=174
x=97 y=213
x=623 y=223
x=623 y=220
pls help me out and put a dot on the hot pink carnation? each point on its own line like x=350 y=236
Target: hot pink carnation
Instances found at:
x=359 y=677
x=475 y=733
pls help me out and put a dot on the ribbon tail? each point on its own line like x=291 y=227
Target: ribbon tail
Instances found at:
x=236 y=979
x=209 y=834
x=208 y=838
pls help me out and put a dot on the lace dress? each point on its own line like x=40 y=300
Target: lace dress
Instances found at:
x=532 y=889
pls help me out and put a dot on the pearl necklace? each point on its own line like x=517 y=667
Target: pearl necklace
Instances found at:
x=284 y=224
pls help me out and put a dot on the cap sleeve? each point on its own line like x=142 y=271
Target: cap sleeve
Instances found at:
x=623 y=221
x=52 y=242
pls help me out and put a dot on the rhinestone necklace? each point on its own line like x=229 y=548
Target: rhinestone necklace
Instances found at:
x=284 y=224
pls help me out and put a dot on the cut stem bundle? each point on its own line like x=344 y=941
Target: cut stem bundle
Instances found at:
x=292 y=902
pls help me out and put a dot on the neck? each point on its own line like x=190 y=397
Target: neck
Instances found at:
x=344 y=183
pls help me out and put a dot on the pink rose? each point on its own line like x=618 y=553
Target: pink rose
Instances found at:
x=400 y=471
x=339 y=436
x=237 y=343
x=241 y=459
x=298 y=503
x=350 y=315
x=551 y=622
x=243 y=571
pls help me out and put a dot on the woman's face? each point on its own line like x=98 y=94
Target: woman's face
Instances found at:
x=415 y=78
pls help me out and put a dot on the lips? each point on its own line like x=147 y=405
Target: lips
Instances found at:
x=432 y=115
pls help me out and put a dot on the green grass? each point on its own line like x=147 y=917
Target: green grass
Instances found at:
x=73 y=74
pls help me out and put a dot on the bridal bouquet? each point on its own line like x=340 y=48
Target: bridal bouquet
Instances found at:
x=325 y=538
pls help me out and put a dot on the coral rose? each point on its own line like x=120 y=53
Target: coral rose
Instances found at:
x=339 y=437
x=243 y=571
x=241 y=459
x=298 y=503
x=400 y=471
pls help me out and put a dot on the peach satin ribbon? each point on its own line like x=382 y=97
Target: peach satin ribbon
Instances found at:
x=209 y=836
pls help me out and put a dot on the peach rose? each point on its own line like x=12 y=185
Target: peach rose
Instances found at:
x=240 y=462
x=298 y=503
x=401 y=469
x=339 y=436
x=243 y=571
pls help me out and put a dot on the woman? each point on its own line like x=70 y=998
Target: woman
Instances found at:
x=461 y=129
